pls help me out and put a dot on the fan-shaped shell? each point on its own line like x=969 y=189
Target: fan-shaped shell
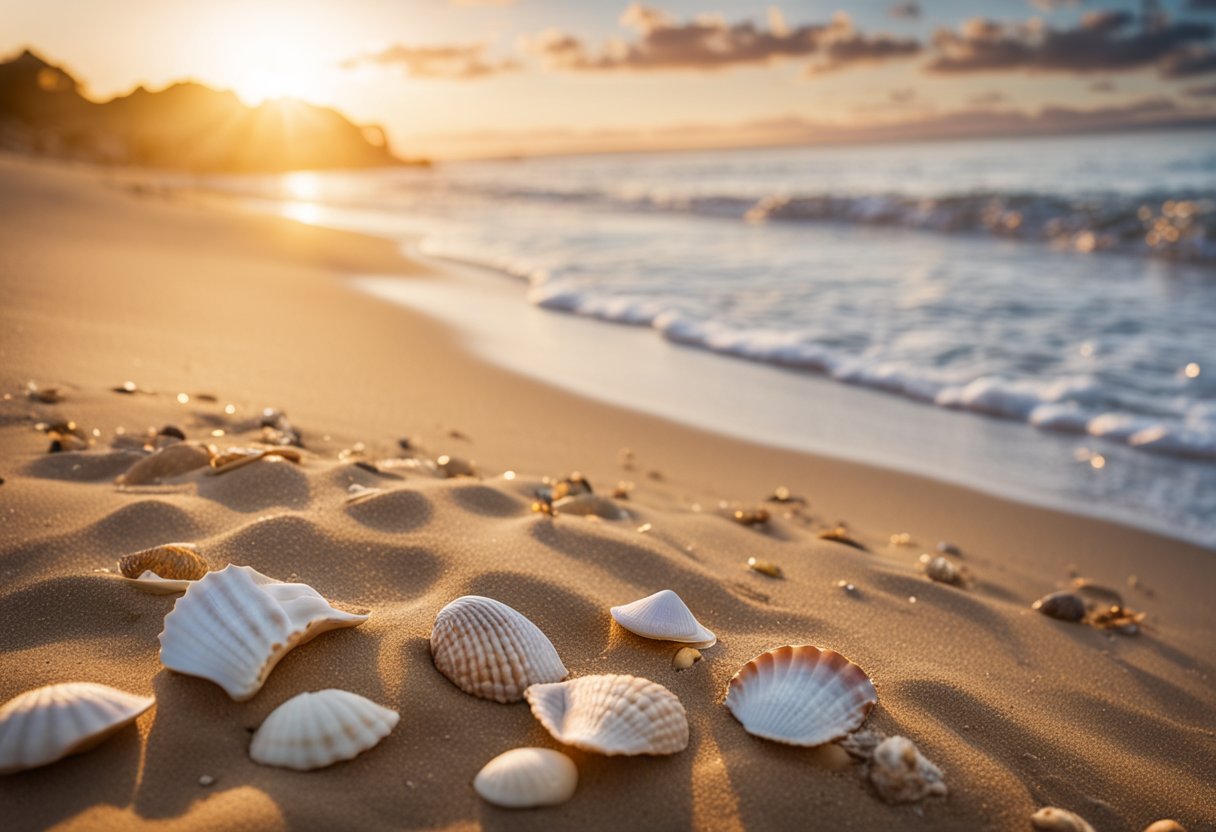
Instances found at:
x=314 y=730
x=801 y=695
x=46 y=724
x=663 y=616
x=526 y=777
x=612 y=714
x=492 y=651
x=233 y=627
x=167 y=463
x=163 y=569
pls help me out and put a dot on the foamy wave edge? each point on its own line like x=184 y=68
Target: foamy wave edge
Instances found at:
x=1058 y=405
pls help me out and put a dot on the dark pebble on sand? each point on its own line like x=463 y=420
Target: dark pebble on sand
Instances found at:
x=1066 y=606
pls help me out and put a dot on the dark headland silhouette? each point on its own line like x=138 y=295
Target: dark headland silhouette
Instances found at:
x=185 y=126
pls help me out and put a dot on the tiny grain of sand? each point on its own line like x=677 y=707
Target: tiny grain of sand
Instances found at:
x=99 y=286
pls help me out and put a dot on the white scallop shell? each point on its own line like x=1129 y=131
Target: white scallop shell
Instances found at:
x=612 y=714
x=801 y=695
x=492 y=651
x=526 y=777
x=233 y=627
x=663 y=616
x=314 y=730
x=46 y=724
x=901 y=774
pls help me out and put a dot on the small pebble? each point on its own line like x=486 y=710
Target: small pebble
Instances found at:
x=1166 y=825
x=206 y=780
x=645 y=527
x=846 y=586
x=765 y=567
x=1052 y=819
x=685 y=658
x=947 y=548
x=1066 y=606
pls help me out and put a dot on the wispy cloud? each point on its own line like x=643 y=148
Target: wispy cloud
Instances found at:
x=906 y=11
x=451 y=61
x=1103 y=41
x=709 y=42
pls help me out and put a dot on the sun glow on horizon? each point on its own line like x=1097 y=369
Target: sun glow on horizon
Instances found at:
x=279 y=70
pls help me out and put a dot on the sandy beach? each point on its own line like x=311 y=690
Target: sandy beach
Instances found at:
x=217 y=315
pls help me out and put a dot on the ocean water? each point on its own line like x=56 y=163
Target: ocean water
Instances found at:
x=1067 y=284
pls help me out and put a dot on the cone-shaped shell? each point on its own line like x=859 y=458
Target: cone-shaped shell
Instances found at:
x=526 y=777
x=801 y=696
x=612 y=714
x=314 y=730
x=492 y=651
x=663 y=616
x=44 y=725
x=234 y=626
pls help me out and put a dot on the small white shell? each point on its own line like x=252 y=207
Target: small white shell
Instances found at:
x=800 y=695
x=492 y=651
x=612 y=714
x=233 y=627
x=902 y=774
x=314 y=730
x=526 y=777
x=663 y=616
x=46 y=724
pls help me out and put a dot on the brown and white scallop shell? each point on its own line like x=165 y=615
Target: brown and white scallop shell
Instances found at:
x=801 y=695
x=164 y=569
x=492 y=651
x=612 y=714
x=49 y=723
x=233 y=627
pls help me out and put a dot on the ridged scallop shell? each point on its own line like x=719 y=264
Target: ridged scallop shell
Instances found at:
x=46 y=724
x=314 y=730
x=663 y=616
x=801 y=695
x=526 y=777
x=612 y=714
x=163 y=569
x=234 y=626
x=492 y=651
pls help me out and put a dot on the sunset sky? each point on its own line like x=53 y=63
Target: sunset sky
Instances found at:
x=468 y=78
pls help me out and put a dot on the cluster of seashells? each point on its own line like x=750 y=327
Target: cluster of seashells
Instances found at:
x=234 y=625
x=797 y=695
x=231 y=626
